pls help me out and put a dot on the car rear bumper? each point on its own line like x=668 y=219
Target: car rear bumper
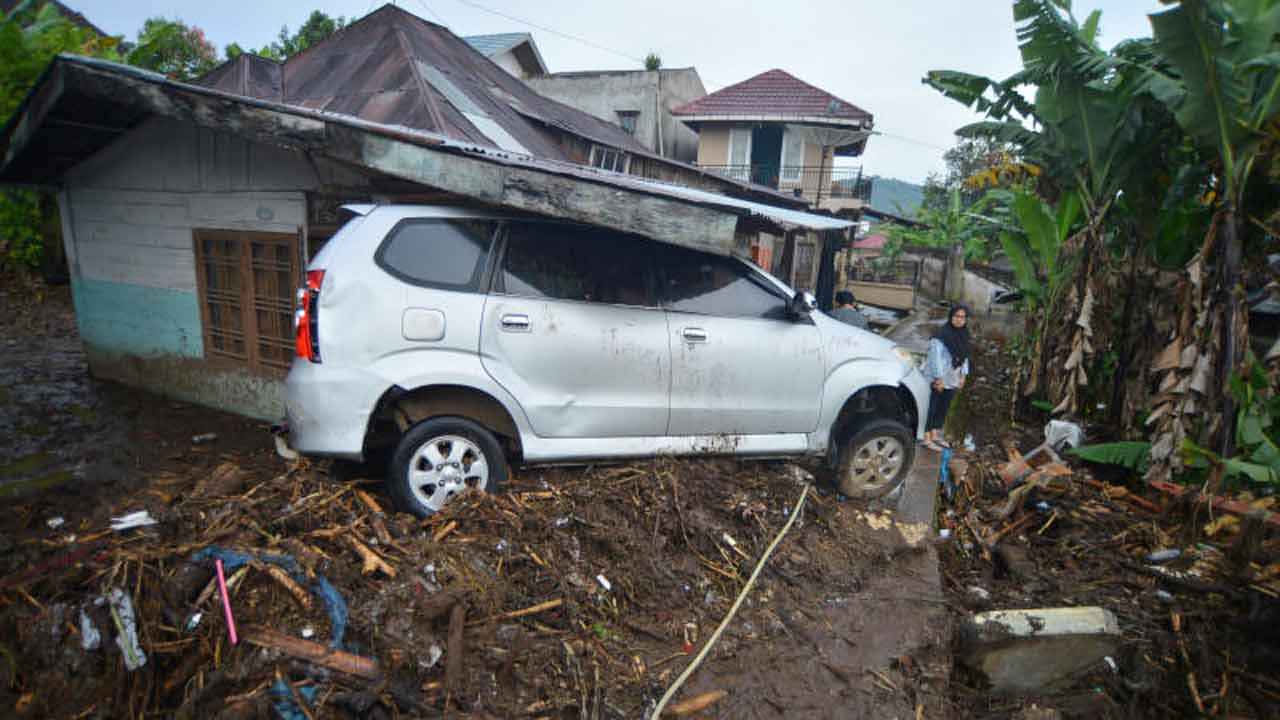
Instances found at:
x=327 y=408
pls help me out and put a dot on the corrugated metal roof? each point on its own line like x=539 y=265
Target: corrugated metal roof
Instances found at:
x=774 y=93
x=394 y=68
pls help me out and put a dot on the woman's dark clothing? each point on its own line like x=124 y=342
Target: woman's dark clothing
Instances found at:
x=939 y=403
x=956 y=339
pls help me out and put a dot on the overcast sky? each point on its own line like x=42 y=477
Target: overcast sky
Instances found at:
x=869 y=52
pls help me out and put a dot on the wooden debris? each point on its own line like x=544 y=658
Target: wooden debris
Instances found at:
x=372 y=561
x=531 y=610
x=367 y=500
x=313 y=652
x=448 y=528
x=296 y=591
x=454 y=649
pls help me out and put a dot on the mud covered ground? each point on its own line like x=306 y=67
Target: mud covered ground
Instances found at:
x=1200 y=634
x=579 y=593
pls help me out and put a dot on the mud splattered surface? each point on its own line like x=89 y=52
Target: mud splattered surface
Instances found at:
x=633 y=567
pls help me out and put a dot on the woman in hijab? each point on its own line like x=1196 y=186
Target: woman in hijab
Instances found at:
x=946 y=368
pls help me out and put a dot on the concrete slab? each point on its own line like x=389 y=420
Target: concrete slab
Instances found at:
x=1026 y=651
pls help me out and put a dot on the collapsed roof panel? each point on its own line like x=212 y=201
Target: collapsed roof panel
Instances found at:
x=48 y=136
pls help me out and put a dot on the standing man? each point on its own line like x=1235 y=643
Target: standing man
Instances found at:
x=845 y=312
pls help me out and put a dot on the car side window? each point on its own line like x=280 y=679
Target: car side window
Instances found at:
x=697 y=282
x=571 y=262
x=440 y=253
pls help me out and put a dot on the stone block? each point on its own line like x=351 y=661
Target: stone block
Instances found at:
x=1025 y=651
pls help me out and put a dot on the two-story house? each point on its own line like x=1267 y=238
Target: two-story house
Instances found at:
x=780 y=132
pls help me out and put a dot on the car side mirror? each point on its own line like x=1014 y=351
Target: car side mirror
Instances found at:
x=803 y=303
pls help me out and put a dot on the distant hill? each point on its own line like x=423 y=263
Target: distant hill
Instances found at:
x=895 y=196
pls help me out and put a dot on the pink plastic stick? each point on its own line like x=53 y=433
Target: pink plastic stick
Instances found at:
x=226 y=602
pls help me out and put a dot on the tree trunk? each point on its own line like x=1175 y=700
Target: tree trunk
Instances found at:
x=955 y=274
x=1230 y=353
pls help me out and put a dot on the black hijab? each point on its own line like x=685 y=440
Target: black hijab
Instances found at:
x=956 y=339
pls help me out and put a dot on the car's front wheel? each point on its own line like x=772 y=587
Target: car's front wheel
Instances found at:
x=874 y=461
x=441 y=457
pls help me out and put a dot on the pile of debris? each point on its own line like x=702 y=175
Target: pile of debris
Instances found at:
x=576 y=593
x=1099 y=599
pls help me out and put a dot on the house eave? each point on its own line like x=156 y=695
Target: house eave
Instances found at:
x=854 y=123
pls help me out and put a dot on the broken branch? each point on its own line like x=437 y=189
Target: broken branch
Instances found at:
x=313 y=652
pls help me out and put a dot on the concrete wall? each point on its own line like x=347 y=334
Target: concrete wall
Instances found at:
x=978 y=291
x=653 y=94
x=128 y=215
x=509 y=62
x=713 y=145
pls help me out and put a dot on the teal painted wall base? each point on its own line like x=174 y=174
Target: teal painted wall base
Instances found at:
x=152 y=339
x=138 y=320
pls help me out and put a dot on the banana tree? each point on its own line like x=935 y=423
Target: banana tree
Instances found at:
x=1080 y=130
x=1222 y=84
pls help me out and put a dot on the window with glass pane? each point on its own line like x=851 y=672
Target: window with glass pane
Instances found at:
x=247 y=282
x=711 y=285
x=627 y=119
x=792 y=155
x=570 y=262
x=447 y=254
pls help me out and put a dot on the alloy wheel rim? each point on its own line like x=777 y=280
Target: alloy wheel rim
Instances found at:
x=877 y=462
x=444 y=466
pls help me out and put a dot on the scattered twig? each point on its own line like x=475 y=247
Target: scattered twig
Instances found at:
x=448 y=528
x=372 y=561
x=313 y=652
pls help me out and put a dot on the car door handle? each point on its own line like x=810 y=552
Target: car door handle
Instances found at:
x=515 y=322
x=694 y=334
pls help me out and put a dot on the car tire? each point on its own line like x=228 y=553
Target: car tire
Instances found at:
x=875 y=460
x=439 y=458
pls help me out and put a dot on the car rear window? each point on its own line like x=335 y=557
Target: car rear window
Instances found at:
x=448 y=254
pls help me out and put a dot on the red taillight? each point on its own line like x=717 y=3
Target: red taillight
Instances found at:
x=306 y=318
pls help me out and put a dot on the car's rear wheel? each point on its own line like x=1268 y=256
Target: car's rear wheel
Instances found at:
x=441 y=457
x=875 y=460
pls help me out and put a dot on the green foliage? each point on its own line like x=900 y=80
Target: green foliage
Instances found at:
x=1224 y=86
x=652 y=61
x=1044 y=405
x=967 y=225
x=31 y=35
x=1033 y=243
x=173 y=48
x=318 y=26
x=20 y=239
x=1131 y=454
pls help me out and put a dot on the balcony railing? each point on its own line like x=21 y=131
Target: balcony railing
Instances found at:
x=810 y=182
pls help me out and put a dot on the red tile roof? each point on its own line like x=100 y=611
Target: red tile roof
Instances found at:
x=775 y=92
x=870 y=242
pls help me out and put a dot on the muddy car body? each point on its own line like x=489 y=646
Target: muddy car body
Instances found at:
x=468 y=340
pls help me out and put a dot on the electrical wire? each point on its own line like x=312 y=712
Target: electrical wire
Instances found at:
x=434 y=14
x=543 y=28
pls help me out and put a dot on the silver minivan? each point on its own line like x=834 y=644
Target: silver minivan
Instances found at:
x=462 y=341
